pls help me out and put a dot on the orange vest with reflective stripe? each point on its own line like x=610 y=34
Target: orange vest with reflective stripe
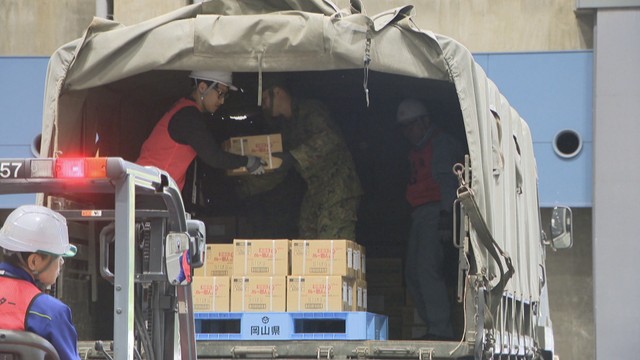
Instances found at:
x=16 y=296
x=161 y=151
x=186 y=266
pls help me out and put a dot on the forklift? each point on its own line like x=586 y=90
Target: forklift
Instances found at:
x=147 y=251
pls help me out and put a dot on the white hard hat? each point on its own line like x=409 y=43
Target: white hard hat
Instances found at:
x=409 y=110
x=34 y=228
x=222 y=77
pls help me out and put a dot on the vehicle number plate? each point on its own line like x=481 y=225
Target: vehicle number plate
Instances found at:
x=12 y=169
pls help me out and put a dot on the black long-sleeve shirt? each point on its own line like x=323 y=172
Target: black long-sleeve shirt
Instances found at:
x=188 y=126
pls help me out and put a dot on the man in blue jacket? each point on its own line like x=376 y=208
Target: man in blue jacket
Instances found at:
x=35 y=241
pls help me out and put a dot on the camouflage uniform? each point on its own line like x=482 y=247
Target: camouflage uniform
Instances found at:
x=329 y=207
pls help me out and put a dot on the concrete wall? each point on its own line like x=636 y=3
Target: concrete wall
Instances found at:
x=37 y=28
x=481 y=25
x=132 y=12
x=501 y=25
x=570 y=279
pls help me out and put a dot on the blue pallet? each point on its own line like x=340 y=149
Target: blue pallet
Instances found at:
x=291 y=326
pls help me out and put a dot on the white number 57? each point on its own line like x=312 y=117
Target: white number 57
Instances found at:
x=9 y=169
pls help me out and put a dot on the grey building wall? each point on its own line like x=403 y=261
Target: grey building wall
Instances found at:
x=616 y=175
x=571 y=291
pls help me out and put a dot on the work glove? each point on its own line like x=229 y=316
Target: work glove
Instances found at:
x=255 y=165
x=445 y=226
x=287 y=161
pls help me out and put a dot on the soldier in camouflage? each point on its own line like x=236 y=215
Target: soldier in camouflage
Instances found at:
x=316 y=149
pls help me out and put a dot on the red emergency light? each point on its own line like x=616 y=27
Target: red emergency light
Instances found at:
x=81 y=168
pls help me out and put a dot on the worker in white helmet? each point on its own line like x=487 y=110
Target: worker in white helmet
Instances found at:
x=34 y=242
x=182 y=132
x=430 y=191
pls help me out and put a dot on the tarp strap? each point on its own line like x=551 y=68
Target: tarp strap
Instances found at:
x=366 y=60
x=260 y=56
x=467 y=198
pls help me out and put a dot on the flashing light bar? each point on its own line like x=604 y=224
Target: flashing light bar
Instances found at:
x=81 y=168
x=60 y=168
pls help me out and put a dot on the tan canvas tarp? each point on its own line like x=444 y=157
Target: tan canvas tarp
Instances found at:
x=310 y=35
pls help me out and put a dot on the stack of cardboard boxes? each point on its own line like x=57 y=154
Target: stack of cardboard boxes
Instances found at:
x=211 y=283
x=260 y=268
x=387 y=293
x=326 y=275
x=276 y=275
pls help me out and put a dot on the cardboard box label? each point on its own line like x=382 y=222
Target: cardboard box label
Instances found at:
x=219 y=260
x=267 y=257
x=210 y=293
x=258 y=293
x=319 y=293
x=323 y=257
x=359 y=295
x=359 y=261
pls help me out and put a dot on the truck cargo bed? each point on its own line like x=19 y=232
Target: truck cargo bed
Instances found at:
x=321 y=349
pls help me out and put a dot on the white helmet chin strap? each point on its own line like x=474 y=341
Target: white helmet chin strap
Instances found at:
x=213 y=84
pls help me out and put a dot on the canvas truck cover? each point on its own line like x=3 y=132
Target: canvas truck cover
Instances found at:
x=312 y=35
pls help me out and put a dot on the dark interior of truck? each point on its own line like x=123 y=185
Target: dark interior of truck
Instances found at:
x=368 y=126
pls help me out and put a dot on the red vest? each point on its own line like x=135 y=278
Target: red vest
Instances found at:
x=161 y=151
x=422 y=187
x=16 y=296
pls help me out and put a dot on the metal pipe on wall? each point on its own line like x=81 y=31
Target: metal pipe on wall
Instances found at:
x=104 y=9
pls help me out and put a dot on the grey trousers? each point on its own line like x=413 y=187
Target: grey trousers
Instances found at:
x=424 y=270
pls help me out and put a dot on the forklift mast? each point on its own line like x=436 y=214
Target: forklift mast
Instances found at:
x=149 y=232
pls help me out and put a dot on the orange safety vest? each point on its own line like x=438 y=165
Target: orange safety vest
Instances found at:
x=422 y=187
x=186 y=266
x=16 y=297
x=161 y=151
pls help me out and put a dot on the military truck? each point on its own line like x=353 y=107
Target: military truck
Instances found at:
x=140 y=247
x=105 y=91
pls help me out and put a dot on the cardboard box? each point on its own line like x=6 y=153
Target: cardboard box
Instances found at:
x=319 y=293
x=267 y=257
x=359 y=295
x=385 y=272
x=386 y=300
x=219 y=260
x=211 y=293
x=322 y=257
x=201 y=271
x=258 y=293
x=258 y=145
